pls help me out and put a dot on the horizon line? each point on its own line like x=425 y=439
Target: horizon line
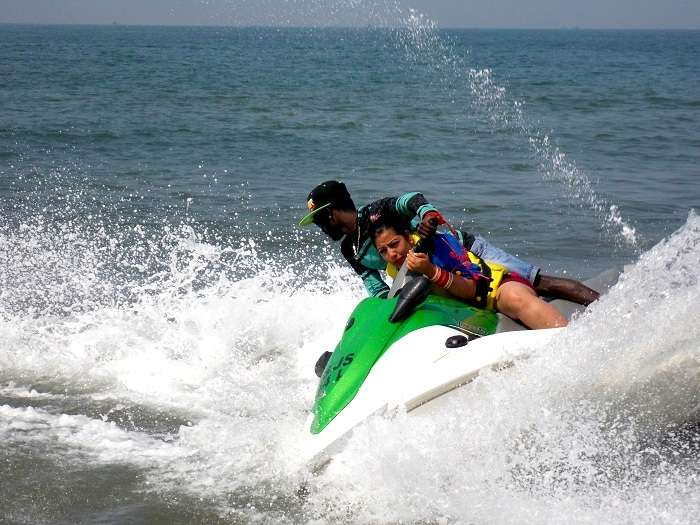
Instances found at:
x=262 y=26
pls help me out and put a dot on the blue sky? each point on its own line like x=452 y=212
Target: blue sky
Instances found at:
x=627 y=14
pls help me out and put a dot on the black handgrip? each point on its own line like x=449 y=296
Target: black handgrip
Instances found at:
x=423 y=245
x=410 y=296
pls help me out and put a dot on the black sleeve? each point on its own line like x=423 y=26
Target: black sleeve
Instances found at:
x=347 y=251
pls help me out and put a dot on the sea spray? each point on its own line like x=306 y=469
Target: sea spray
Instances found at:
x=425 y=45
x=202 y=372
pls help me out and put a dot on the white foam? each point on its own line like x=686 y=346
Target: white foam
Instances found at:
x=73 y=437
x=559 y=434
x=11 y=389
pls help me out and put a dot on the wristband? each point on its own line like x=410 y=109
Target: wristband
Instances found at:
x=433 y=214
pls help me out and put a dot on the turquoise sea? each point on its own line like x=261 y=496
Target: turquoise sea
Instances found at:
x=160 y=311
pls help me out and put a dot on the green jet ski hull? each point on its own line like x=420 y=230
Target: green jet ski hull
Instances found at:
x=443 y=344
x=369 y=333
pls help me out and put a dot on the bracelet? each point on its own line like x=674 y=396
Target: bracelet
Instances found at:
x=442 y=278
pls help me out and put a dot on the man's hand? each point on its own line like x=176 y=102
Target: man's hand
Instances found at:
x=429 y=223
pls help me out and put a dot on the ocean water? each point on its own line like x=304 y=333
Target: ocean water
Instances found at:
x=160 y=311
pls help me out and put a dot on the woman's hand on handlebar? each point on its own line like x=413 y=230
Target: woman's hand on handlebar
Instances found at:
x=420 y=263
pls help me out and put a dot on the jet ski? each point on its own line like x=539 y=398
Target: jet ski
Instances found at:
x=410 y=351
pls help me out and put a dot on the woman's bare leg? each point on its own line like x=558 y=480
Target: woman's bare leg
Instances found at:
x=520 y=302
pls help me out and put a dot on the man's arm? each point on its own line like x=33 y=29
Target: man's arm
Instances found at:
x=408 y=205
x=375 y=285
x=413 y=204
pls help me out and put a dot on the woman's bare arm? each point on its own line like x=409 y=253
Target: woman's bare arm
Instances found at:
x=455 y=284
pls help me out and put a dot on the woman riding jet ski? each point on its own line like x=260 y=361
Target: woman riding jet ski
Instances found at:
x=455 y=272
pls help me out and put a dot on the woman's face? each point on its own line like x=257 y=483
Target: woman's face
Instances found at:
x=392 y=246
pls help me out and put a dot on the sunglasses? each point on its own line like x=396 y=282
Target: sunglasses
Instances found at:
x=322 y=218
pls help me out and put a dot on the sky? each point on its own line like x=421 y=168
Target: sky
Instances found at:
x=598 y=14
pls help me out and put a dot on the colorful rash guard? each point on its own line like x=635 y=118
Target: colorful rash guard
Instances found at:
x=358 y=249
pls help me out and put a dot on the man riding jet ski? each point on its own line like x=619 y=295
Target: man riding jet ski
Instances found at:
x=332 y=209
